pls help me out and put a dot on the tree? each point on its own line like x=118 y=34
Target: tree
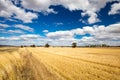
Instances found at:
x=74 y=45
x=47 y=45
x=22 y=46
x=32 y=45
x=104 y=45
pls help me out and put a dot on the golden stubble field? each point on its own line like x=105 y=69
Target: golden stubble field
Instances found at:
x=59 y=63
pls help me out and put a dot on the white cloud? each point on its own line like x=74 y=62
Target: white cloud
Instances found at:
x=108 y=33
x=11 y=31
x=88 y=39
x=83 y=21
x=36 y=5
x=29 y=36
x=21 y=37
x=4 y=25
x=39 y=6
x=97 y=5
x=8 y=9
x=74 y=4
x=45 y=31
x=88 y=29
x=89 y=7
x=98 y=35
x=48 y=11
x=13 y=20
x=58 y=23
x=23 y=27
x=115 y=9
x=85 y=5
x=25 y=17
x=14 y=31
x=18 y=26
x=27 y=39
x=78 y=31
x=93 y=18
x=113 y=28
x=60 y=35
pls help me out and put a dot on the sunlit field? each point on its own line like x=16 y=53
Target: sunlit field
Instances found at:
x=57 y=63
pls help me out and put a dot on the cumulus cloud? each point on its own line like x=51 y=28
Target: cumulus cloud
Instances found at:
x=88 y=29
x=93 y=18
x=86 y=39
x=60 y=35
x=48 y=11
x=23 y=27
x=78 y=31
x=115 y=9
x=89 y=8
x=73 y=4
x=8 y=9
x=113 y=28
x=69 y=34
x=99 y=34
x=38 y=5
x=96 y=31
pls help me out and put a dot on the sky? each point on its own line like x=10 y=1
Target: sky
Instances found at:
x=60 y=22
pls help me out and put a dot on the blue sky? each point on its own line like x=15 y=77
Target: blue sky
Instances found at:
x=59 y=22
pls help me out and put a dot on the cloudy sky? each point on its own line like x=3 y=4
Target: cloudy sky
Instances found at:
x=59 y=22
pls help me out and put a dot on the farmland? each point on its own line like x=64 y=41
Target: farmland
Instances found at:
x=59 y=63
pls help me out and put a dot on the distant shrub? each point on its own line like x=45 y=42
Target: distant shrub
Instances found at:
x=98 y=45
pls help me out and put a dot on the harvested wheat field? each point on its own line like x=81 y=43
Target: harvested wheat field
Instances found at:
x=59 y=63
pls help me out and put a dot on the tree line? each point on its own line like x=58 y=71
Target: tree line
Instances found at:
x=73 y=45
